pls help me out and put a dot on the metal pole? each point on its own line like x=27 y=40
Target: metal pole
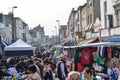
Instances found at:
x=12 y=24
x=13 y=27
x=56 y=33
x=53 y=37
x=58 y=29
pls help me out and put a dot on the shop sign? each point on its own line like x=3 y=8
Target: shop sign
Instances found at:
x=104 y=39
x=95 y=35
x=115 y=31
x=104 y=33
x=88 y=35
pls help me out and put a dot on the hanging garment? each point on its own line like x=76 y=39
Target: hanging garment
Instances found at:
x=79 y=67
x=77 y=57
x=86 y=57
x=100 y=60
x=105 y=53
x=109 y=50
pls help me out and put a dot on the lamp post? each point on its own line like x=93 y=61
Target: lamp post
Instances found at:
x=58 y=29
x=13 y=27
x=53 y=36
x=56 y=33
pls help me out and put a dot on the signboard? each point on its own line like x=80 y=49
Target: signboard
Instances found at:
x=115 y=31
x=88 y=35
x=104 y=33
x=95 y=35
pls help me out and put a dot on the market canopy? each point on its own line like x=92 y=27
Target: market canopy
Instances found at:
x=58 y=46
x=107 y=44
x=66 y=47
x=18 y=45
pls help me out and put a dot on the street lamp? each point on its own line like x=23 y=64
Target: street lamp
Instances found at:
x=56 y=33
x=53 y=36
x=58 y=29
x=13 y=27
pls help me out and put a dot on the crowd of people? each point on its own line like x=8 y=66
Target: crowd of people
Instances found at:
x=49 y=68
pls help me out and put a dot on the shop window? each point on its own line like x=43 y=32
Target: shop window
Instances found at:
x=105 y=21
x=105 y=6
x=110 y=21
x=90 y=18
x=119 y=18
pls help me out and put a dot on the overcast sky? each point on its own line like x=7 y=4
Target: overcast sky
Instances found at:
x=44 y=12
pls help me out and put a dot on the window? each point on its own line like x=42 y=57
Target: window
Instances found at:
x=118 y=18
x=105 y=21
x=90 y=18
x=105 y=6
x=105 y=11
x=78 y=16
x=110 y=17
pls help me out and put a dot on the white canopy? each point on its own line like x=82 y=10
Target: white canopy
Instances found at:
x=107 y=44
x=18 y=46
x=58 y=46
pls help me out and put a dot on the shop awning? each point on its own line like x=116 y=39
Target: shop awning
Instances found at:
x=92 y=41
x=107 y=44
x=82 y=42
x=58 y=46
x=88 y=41
x=114 y=39
x=66 y=47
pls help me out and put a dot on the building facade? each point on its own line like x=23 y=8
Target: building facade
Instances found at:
x=37 y=34
x=71 y=25
x=62 y=34
x=116 y=5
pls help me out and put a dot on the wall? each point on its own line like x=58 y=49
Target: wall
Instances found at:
x=110 y=11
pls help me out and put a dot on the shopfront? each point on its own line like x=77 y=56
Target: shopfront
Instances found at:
x=114 y=35
x=104 y=34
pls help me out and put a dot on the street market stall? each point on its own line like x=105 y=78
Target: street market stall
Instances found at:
x=19 y=48
x=105 y=58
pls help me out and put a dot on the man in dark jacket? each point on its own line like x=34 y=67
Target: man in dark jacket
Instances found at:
x=62 y=70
